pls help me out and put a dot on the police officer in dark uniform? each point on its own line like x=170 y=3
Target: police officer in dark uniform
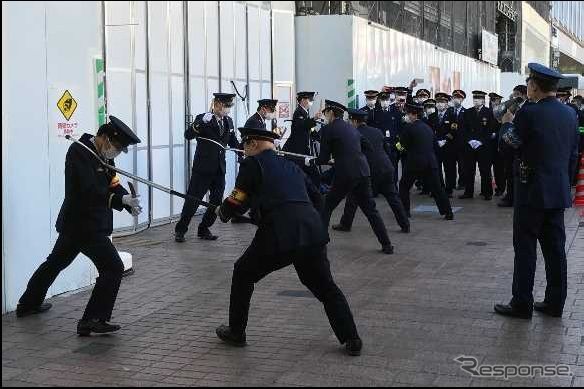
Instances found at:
x=266 y=112
x=382 y=172
x=387 y=120
x=209 y=163
x=545 y=133
x=496 y=156
x=302 y=133
x=429 y=109
x=371 y=106
x=510 y=154
x=421 y=96
x=290 y=231
x=85 y=223
x=419 y=142
x=352 y=174
x=403 y=94
x=446 y=137
x=457 y=126
x=478 y=125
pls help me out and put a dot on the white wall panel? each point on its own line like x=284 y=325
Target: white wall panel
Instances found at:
x=178 y=177
x=265 y=45
x=160 y=175
x=227 y=41
x=22 y=74
x=212 y=34
x=159 y=96
x=75 y=72
x=178 y=110
x=142 y=171
x=240 y=47
x=196 y=37
x=253 y=15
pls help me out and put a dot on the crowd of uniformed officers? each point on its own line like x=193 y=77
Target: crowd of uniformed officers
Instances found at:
x=438 y=143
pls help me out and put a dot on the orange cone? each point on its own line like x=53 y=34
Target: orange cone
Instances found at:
x=579 y=198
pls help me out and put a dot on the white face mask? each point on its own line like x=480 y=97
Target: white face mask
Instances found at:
x=441 y=106
x=226 y=111
x=327 y=117
x=430 y=111
x=457 y=102
x=270 y=115
x=111 y=153
x=478 y=103
x=310 y=103
x=407 y=119
x=384 y=103
x=421 y=100
x=371 y=103
x=392 y=98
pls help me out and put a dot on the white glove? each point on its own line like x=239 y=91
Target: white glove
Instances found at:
x=478 y=143
x=136 y=211
x=493 y=135
x=307 y=161
x=387 y=134
x=207 y=117
x=441 y=143
x=277 y=143
x=130 y=201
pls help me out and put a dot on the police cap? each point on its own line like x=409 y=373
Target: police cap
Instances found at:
x=118 y=131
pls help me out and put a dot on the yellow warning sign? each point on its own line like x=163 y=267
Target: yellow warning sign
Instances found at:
x=67 y=105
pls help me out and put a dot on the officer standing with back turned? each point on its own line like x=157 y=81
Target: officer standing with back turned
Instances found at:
x=290 y=231
x=377 y=153
x=546 y=135
x=344 y=143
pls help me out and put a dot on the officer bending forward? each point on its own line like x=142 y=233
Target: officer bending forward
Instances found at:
x=290 y=231
x=84 y=225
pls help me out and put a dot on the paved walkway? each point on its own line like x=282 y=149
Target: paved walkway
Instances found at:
x=417 y=311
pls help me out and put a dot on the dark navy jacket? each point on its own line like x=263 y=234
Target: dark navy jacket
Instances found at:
x=91 y=192
x=548 y=132
x=285 y=201
x=256 y=121
x=447 y=130
x=343 y=142
x=209 y=157
x=419 y=142
x=299 y=140
x=376 y=151
x=478 y=125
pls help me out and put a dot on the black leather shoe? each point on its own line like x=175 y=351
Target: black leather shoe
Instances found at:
x=498 y=193
x=387 y=249
x=465 y=196
x=505 y=203
x=224 y=333
x=86 y=327
x=206 y=235
x=23 y=311
x=406 y=230
x=488 y=198
x=460 y=187
x=340 y=227
x=180 y=238
x=449 y=216
x=547 y=309
x=513 y=311
x=449 y=194
x=353 y=347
